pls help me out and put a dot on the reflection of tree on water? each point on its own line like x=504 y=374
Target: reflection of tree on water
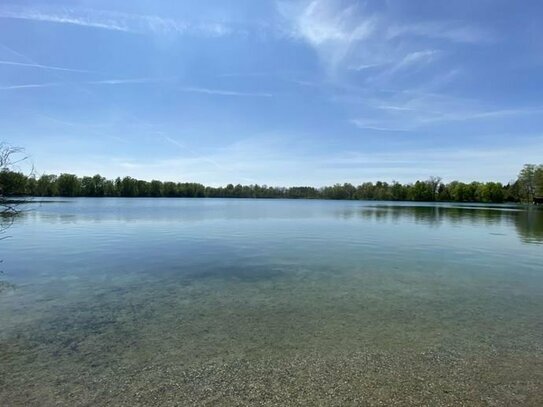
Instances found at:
x=6 y=220
x=435 y=215
x=529 y=226
x=528 y=222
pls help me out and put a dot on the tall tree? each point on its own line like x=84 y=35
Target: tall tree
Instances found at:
x=538 y=179
x=434 y=183
x=527 y=181
x=68 y=185
x=47 y=185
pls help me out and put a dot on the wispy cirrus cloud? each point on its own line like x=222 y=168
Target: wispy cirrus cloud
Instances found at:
x=408 y=111
x=332 y=31
x=377 y=125
x=222 y=92
x=139 y=81
x=127 y=81
x=416 y=57
x=365 y=48
x=411 y=59
x=320 y=22
x=446 y=30
x=97 y=82
x=46 y=67
x=358 y=38
x=88 y=18
x=31 y=86
x=410 y=63
x=117 y=21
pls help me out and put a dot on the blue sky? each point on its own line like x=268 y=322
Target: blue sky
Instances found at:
x=274 y=92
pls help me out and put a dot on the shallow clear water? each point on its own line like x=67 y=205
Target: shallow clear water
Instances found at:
x=271 y=302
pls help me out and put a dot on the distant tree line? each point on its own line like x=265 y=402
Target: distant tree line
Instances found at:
x=528 y=185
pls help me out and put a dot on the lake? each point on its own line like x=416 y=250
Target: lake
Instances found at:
x=167 y=302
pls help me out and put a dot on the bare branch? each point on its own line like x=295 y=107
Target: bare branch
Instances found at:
x=10 y=156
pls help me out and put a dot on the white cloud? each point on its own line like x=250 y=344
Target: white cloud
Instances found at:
x=411 y=62
x=98 y=82
x=222 y=92
x=116 y=21
x=357 y=39
x=67 y=16
x=445 y=30
x=31 y=86
x=331 y=30
x=46 y=67
x=320 y=22
x=140 y=81
x=372 y=124
x=363 y=67
x=124 y=81
x=408 y=111
x=417 y=57
x=393 y=68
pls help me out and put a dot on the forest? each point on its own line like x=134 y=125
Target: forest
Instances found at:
x=526 y=188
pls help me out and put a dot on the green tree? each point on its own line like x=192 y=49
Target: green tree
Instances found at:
x=490 y=192
x=511 y=192
x=128 y=187
x=398 y=192
x=68 y=185
x=336 y=191
x=365 y=191
x=444 y=193
x=382 y=191
x=527 y=181
x=110 y=188
x=422 y=191
x=99 y=185
x=237 y=192
x=170 y=189
x=434 y=183
x=31 y=186
x=457 y=191
x=12 y=183
x=155 y=188
x=143 y=188
x=47 y=185
x=88 y=187
x=530 y=179
x=538 y=179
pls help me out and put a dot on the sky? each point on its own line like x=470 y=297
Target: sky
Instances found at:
x=274 y=92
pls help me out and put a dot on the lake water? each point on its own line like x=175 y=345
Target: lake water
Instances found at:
x=128 y=302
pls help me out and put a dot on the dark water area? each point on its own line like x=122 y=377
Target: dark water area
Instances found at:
x=165 y=302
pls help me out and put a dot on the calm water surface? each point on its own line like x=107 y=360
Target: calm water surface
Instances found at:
x=271 y=302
